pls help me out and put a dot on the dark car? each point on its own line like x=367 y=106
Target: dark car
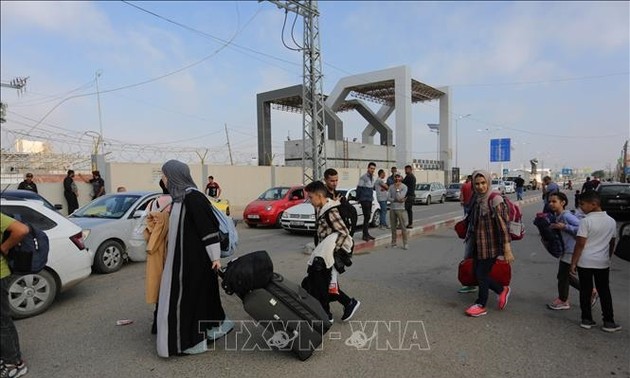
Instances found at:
x=31 y=196
x=615 y=197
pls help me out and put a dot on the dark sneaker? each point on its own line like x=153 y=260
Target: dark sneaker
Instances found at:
x=350 y=309
x=13 y=371
x=611 y=327
x=587 y=324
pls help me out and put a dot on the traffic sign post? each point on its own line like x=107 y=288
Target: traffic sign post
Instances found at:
x=500 y=150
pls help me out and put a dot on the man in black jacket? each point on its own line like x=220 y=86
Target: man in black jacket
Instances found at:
x=410 y=183
x=28 y=183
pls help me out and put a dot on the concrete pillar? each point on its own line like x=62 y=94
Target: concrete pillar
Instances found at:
x=404 y=135
x=446 y=145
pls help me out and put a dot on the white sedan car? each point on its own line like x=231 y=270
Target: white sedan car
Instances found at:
x=109 y=224
x=301 y=217
x=68 y=261
x=510 y=187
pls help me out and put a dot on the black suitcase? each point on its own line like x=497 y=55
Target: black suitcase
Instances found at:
x=297 y=320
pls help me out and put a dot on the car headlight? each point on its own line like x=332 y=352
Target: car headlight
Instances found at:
x=312 y=217
x=85 y=233
x=285 y=215
x=268 y=208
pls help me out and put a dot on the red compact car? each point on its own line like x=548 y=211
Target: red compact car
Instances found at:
x=267 y=209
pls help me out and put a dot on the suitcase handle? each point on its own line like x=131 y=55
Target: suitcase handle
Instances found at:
x=221 y=272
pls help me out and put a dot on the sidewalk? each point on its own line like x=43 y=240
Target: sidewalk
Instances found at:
x=420 y=227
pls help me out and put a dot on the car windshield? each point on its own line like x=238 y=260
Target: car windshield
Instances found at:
x=495 y=182
x=273 y=194
x=615 y=190
x=110 y=207
x=423 y=187
x=455 y=186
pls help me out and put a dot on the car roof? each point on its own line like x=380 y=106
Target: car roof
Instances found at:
x=38 y=206
x=134 y=193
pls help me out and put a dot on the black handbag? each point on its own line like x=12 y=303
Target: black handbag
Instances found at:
x=246 y=273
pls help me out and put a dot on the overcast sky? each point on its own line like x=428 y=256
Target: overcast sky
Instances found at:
x=552 y=76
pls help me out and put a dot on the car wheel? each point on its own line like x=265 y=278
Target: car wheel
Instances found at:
x=443 y=199
x=428 y=200
x=109 y=257
x=31 y=294
x=376 y=218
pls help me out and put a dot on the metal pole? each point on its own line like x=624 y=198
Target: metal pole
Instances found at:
x=100 y=118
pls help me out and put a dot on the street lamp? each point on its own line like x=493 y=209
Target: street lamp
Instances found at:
x=435 y=128
x=456 y=139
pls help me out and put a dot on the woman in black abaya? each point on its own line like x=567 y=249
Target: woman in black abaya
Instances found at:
x=190 y=310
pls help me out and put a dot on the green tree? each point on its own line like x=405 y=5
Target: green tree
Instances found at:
x=599 y=174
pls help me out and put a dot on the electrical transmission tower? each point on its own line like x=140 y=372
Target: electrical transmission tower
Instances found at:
x=18 y=83
x=313 y=132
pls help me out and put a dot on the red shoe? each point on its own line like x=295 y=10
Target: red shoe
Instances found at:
x=503 y=297
x=476 y=310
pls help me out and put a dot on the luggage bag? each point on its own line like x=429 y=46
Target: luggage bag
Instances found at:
x=298 y=320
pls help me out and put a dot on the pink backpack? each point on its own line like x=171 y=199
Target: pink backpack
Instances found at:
x=515 y=224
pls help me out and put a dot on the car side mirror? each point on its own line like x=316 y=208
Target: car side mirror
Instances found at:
x=58 y=206
x=138 y=214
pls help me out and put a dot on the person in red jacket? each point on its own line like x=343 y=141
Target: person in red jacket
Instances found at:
x=465 y=194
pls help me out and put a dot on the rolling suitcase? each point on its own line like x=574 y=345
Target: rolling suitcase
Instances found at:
x=297 y=320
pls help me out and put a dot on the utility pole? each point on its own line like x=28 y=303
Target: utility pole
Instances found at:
x=227 y=136
x=100 y=118
x=313 y=131
x=18 y=83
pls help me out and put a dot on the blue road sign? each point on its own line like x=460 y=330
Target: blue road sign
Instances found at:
x=567 y=171
x=499 y=150
x=627 y=170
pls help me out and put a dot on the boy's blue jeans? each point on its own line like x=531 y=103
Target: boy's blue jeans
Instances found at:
x=383 y=215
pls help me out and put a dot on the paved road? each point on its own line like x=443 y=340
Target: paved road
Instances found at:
x=78 y=337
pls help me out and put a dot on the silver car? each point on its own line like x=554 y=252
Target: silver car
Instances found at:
x=428 y=193
x=109 y=223
x=453 y=192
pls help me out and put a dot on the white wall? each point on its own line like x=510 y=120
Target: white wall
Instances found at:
x=240 y=184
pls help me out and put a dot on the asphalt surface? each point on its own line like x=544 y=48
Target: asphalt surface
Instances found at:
x=411 y=320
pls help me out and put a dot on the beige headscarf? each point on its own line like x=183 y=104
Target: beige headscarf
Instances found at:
x=482 y=199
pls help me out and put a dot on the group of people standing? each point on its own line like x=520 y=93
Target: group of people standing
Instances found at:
x=588 y=238
x=399 y=192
